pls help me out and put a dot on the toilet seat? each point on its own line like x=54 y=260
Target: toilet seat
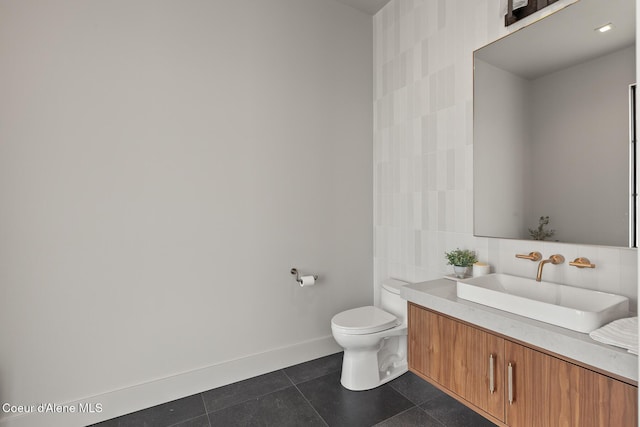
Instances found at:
x=363 y=320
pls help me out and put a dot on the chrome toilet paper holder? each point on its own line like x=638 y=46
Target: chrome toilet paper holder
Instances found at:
x=294 y=272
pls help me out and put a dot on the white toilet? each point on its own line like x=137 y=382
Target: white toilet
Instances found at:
x=374 y=340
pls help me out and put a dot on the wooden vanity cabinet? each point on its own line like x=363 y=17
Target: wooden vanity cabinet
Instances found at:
x=457 y=357
x=530 y=388
x=548 y=391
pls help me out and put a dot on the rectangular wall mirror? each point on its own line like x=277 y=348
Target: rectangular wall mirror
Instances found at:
x=552 y=128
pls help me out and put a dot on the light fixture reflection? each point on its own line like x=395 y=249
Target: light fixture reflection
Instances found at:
x=605 y=28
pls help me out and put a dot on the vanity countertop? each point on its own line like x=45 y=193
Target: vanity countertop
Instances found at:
x=440 y=295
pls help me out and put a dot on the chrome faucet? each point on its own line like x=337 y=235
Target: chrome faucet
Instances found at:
x=553 y=259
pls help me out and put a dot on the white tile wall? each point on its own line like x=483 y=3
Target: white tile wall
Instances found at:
x=423 y=152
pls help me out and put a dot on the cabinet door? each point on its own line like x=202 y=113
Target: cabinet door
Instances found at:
x=428 y=344
x=547 y=391
x=459 y=357
x=480 y=368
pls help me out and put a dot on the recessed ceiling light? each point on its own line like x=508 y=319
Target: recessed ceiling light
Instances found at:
x=605 y=28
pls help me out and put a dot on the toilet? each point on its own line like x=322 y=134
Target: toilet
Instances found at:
x=374 y=340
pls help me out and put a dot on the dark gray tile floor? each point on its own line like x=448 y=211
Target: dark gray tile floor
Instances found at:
x=309 y=394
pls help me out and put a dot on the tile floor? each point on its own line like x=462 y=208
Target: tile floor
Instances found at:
x=308 y=394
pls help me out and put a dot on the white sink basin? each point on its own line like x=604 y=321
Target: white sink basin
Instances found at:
x=578 y=309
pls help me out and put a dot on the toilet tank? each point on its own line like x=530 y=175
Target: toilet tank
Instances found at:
x=390 y=299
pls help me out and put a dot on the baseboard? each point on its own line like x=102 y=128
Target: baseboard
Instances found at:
x=130 y=399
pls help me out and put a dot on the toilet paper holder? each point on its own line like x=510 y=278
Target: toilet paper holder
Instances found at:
x=294 y=272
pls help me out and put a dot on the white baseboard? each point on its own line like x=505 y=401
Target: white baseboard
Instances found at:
x=135 y=398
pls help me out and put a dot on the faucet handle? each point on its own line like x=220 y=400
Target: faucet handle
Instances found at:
x=556 y=259
x=582 y=263
x=533 y=256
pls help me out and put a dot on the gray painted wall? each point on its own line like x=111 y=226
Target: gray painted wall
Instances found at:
x=579 y=182
x=557 y=145
x=163 y=165
x=501 y=114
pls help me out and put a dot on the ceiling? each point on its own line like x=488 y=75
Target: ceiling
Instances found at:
x=564 y=38
x=367 y=6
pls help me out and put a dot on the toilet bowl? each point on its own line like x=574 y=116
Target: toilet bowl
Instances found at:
x=374 y=340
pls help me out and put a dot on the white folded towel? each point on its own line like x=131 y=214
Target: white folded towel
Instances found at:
x=621 y=333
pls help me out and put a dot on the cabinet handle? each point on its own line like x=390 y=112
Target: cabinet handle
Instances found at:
x=491 y=379
x=510 y=382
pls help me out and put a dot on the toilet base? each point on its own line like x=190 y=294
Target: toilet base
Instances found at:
x=364 y=369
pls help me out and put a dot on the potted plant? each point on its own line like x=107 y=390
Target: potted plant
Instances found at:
x=540 y=233
x=461 y=259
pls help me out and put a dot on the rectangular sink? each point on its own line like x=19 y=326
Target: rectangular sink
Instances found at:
x=578 y=309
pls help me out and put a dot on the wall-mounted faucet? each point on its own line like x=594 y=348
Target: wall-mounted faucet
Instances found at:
x=553 y=259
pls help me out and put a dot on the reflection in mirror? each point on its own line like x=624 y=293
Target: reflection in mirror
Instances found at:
x=552 y=128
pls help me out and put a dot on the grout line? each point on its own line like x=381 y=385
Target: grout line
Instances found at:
x=250 y=398
x=407 y=397
x=310 y=404
x=206 y=411
x=403 y=394
x=193 y=418
x=411 y=409
x=338 y=369
x=288 y=377
x=189 y=419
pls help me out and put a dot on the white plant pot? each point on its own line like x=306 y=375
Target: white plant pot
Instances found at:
x=460 y=272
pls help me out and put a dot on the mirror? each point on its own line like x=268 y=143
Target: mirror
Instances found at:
x=552 y=128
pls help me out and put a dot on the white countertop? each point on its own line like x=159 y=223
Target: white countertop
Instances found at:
x=440 y=295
